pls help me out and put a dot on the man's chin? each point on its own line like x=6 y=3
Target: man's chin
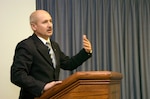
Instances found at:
x=50 y=34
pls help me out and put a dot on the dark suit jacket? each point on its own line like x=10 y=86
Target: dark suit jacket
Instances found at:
x=32 y=68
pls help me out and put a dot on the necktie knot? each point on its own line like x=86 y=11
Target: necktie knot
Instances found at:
x=48 y=46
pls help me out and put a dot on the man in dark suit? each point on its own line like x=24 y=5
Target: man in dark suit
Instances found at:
x=35 y=68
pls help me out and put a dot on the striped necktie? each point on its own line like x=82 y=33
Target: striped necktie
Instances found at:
x=49 y=49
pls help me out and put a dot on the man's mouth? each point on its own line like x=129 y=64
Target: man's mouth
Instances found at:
x=49 y=30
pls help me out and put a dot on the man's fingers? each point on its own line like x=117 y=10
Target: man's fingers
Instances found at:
x=58 y=82
x=84 y=36
x=51 y=84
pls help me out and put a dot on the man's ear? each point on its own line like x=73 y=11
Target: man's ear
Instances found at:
x=33 y=26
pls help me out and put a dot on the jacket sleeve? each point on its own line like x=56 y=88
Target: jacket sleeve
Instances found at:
x=20 y=70
x=71 y=63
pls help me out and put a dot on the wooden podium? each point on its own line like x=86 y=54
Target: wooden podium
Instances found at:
x=87 y=85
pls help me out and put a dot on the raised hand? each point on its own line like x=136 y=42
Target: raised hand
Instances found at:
x=87 y=44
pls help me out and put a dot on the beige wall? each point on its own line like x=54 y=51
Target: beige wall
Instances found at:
x=14 y=26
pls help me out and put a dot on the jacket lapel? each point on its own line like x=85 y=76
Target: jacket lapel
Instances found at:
x=55 y=52
x=42 y=49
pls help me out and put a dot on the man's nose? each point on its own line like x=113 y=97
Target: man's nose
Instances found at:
x=50 y=24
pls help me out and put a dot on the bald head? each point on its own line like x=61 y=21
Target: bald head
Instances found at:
x=41 y=23
x=36 y=15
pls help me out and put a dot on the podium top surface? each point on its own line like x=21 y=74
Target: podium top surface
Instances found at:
x=100 y=75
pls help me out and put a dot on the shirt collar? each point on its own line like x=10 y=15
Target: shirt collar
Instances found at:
x=43 y=40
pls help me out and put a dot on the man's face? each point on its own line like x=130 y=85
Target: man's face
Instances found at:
x=43 y=26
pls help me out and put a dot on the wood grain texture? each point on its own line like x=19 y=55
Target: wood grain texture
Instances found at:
x=87 y=85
